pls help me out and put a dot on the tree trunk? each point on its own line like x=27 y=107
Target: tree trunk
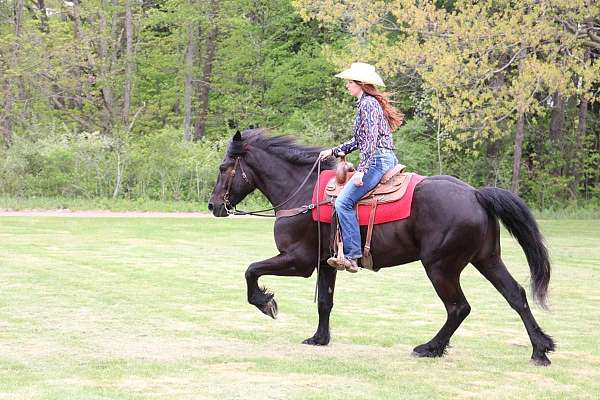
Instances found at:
x=119 y=174
x=130 y=63
x=190 y=56
x=519 y=133
x=492 y=150
x=580 y=136
x=44 y=27
x=114 y=33
x=519 y=136
x=104 y=69
x=19 y=4
x=114 y=46
x=557 y=124
x=576 y=165
x=77 y=31
x=78 y=34
x=557 y=119
x=7 y=111
x=211 y=47
x=7 y=128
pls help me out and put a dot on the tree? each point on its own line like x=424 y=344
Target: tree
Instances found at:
x=8 y=85
x=105 y=65
x=484 y=66
x=268 y=66
x=130 y=63
x=209 y=58
x=190 y=57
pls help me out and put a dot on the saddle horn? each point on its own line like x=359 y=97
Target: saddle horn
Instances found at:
x=343 y=167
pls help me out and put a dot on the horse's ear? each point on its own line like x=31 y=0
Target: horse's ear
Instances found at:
x=231 y=123
x=236 y=147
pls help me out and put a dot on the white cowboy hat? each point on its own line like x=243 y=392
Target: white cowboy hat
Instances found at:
x=362 y=72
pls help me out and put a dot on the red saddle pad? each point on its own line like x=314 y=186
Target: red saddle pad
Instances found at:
x=386 y=212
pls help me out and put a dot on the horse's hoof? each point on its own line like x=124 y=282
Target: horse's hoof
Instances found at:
x=541 y=361
x=316 y=341
x=420 y=354
x=270 y=309
x=425 y=350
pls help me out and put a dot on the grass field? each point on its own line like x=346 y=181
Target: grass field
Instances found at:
x=156 y=309
x=574 y=210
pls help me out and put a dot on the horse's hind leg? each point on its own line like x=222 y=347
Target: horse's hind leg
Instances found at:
x=446 y=281
x=495 y=271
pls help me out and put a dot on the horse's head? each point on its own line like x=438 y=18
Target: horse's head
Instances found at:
x=234 y=182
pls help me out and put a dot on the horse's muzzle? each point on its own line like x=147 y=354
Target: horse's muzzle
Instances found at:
x=218 y=210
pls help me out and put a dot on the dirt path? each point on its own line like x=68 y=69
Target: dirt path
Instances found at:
x=103 y=214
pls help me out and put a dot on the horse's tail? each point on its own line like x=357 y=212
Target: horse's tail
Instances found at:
x=520 y=223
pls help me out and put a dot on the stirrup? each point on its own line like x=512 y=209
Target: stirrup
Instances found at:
x=334 y=262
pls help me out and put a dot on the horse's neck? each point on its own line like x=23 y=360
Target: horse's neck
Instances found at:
x=277 y=179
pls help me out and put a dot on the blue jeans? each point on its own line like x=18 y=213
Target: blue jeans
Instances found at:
x=350 y=195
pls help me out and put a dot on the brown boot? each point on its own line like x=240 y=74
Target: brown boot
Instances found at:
x=351 y=265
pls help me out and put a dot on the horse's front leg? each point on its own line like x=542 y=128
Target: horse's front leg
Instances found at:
x=326 y=287
x=280 y=265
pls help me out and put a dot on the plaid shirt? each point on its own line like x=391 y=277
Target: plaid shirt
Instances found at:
x=371 y=131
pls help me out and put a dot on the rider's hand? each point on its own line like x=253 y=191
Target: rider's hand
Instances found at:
x=357 y=177
x=325 y=153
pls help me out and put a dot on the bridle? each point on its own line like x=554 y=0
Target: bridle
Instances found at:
x=232 y=210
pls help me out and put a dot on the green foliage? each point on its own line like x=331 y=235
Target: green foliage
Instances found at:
x=157 y=167
x=451 y=66
x=60 y=165
x=270 y=67
x=416 y=148
x=163 y=167
x=473 y=68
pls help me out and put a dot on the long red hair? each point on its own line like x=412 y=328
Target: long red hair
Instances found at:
x=393 y=116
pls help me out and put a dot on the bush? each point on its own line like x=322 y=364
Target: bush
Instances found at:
x=158 y=166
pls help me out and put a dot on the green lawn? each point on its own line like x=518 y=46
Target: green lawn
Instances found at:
x=156 y=308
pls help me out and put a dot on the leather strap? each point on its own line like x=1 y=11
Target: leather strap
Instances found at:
x=230 y=180
x=299 y=210
x=339 y=244
x=235 y=211
x=367 y=251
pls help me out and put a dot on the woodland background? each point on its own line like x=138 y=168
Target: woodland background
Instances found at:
x=122 y=99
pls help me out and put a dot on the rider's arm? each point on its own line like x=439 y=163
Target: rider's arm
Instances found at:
x=346 y=147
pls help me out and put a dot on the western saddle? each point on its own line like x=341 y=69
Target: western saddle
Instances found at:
x=391 y=187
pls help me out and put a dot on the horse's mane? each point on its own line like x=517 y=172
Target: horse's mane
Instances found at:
x=285 y=147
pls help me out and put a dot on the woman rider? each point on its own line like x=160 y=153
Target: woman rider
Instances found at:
x=375 y=120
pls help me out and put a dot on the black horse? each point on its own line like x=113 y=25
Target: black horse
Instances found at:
x=451 y=224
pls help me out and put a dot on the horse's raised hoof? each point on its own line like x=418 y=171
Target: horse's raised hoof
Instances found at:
x=427 y=350
x=317 y=340
x=270 y=309
x=541 y=361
